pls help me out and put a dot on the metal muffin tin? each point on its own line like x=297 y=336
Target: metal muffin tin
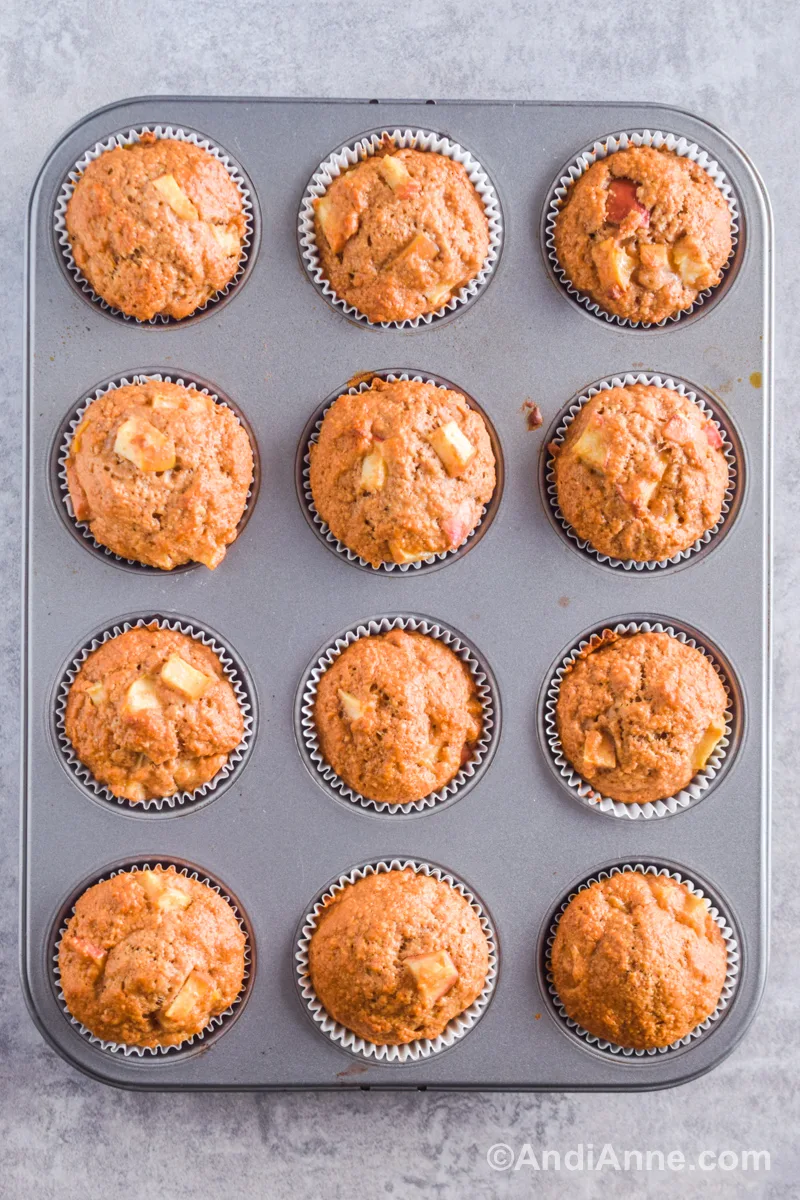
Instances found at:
x=520 y=596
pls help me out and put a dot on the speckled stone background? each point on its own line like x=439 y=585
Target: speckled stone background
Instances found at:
x=733 y=61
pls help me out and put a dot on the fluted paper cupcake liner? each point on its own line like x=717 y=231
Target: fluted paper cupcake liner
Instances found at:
x=321 y=527
x=233 y=673
x=306 y=731
x=216 y=1026
x=422 y=1048
x=627 y=1053
x=124 y=138
x=367 y=146
x=579 y=787
x=674 y=385
x=602 y=149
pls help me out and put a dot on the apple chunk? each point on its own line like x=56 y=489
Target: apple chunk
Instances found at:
x=439 y=295
x=141 y=696
x=96 y=693
x=338 y=217
x=692 y=264
x=591 y=448
x=395 y=172
x=457 y=525
x=146 y=447
x=614 y=267
x=161 y=893
x=453 y=447
x=598 y=750
x=95 y=954
x=707 y=744
x=227 y=238
x=373 y=472
x=351 y=705
x=179 y=674
x=173 y=194
x=622 y=200
x=713 y=435
x=434 y=975
x=401 y=555
x=193 y=998
x=655 y=270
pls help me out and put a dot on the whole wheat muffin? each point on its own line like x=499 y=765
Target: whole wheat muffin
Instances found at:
x=397 y=716
x=643 y=232
x=160 y=473
x=151 y=713
x=638 y=960
x=400 y=233
x=396 y=956
x=402 y=471
x=640 y=715
x=156 y=227
x=641 y=473
x=149 y=957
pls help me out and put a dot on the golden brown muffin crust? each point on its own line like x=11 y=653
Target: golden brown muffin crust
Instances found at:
x=638 y=960
x=380 y=484
x=360 y=950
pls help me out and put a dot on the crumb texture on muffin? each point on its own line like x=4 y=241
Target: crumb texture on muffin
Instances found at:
x=395 y=956
x=641 y=473
x=640 y=715
x=638 y=960
x=151 y=713
x=402 y=471
x=156 y=227
x=397 y=716
x=400 y=233
x=643 y=232
x=149 y=957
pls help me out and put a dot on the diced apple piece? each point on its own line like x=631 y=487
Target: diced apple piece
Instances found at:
x=457 y=525
x=655 y=270
x=622 y=200
x=96 y=693
x=678 y=429
x=395 y=172
x=614 y=267
x=338 y=217
x=145 y=446
x=713 y=435
x=227 y=238
x=618 y=903
x=164 y=896
x=160 y=402
x=453 y=447
x=434 y=974
x=170 y=190
x=591 y=448
x=192 y=999
x=96 y=954
x=598 y=749
x=401 y=555
x=705 y=747
x=141 y=696
x=373 y=472
x=181 y=675
x=439 y=295
x=353 y=708
x=692 y=264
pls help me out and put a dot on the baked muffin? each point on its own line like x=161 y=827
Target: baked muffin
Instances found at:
x=397 y=716
x=400 y=233
x=156 y=227
x=643 y=232
x=641 y=473
x=639 y=715
x=394 y=957
x=160 y=473
x=638 y=960
x=151 y=713
x=402 y=471
x=149 y=957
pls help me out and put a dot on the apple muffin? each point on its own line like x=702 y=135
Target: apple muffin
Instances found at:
x=397 y=716
x=638 y=960
x=639 y=715
x=396 y=956
x=151 y=713
x=160 y=473
x=402 y=471
x=400 y=233
x=641 y=473
x=149 y=957
x=643 y=232
x=156 y=227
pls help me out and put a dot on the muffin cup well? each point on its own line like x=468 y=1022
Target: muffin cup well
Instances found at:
x=58 y=473
x=217 y=1025
x=626 y=1054
x=236 y=675
x=699 y=785
x=576 y=167
x=308 y=741
x=344 y=1038
x=321 y=528
x=558 y=433
x=126 y=138
x=366 y=146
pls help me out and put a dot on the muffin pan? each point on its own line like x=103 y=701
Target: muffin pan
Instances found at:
x=524 y=595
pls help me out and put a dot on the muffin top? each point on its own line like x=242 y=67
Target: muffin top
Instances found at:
x=640 y=715
x=643 y=232
x=396 y=956
x=397 y=716
x=151 y=713
x=638 y=960
x=400 y=233
x=402 y=471
x=149 y=957
x=160 y=473
x=156 y=227
x=641 y=473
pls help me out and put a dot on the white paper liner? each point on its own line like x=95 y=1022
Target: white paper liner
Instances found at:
x=365 y=147
x=601 y=149
x=83 y=775
x=385 y=568
x=422 y=1048
x=126 y=139
x=580 y=788
x=627 y=1053
x=63 y=453
x=309 y=740
x=216 y=1023
x=617 y=381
